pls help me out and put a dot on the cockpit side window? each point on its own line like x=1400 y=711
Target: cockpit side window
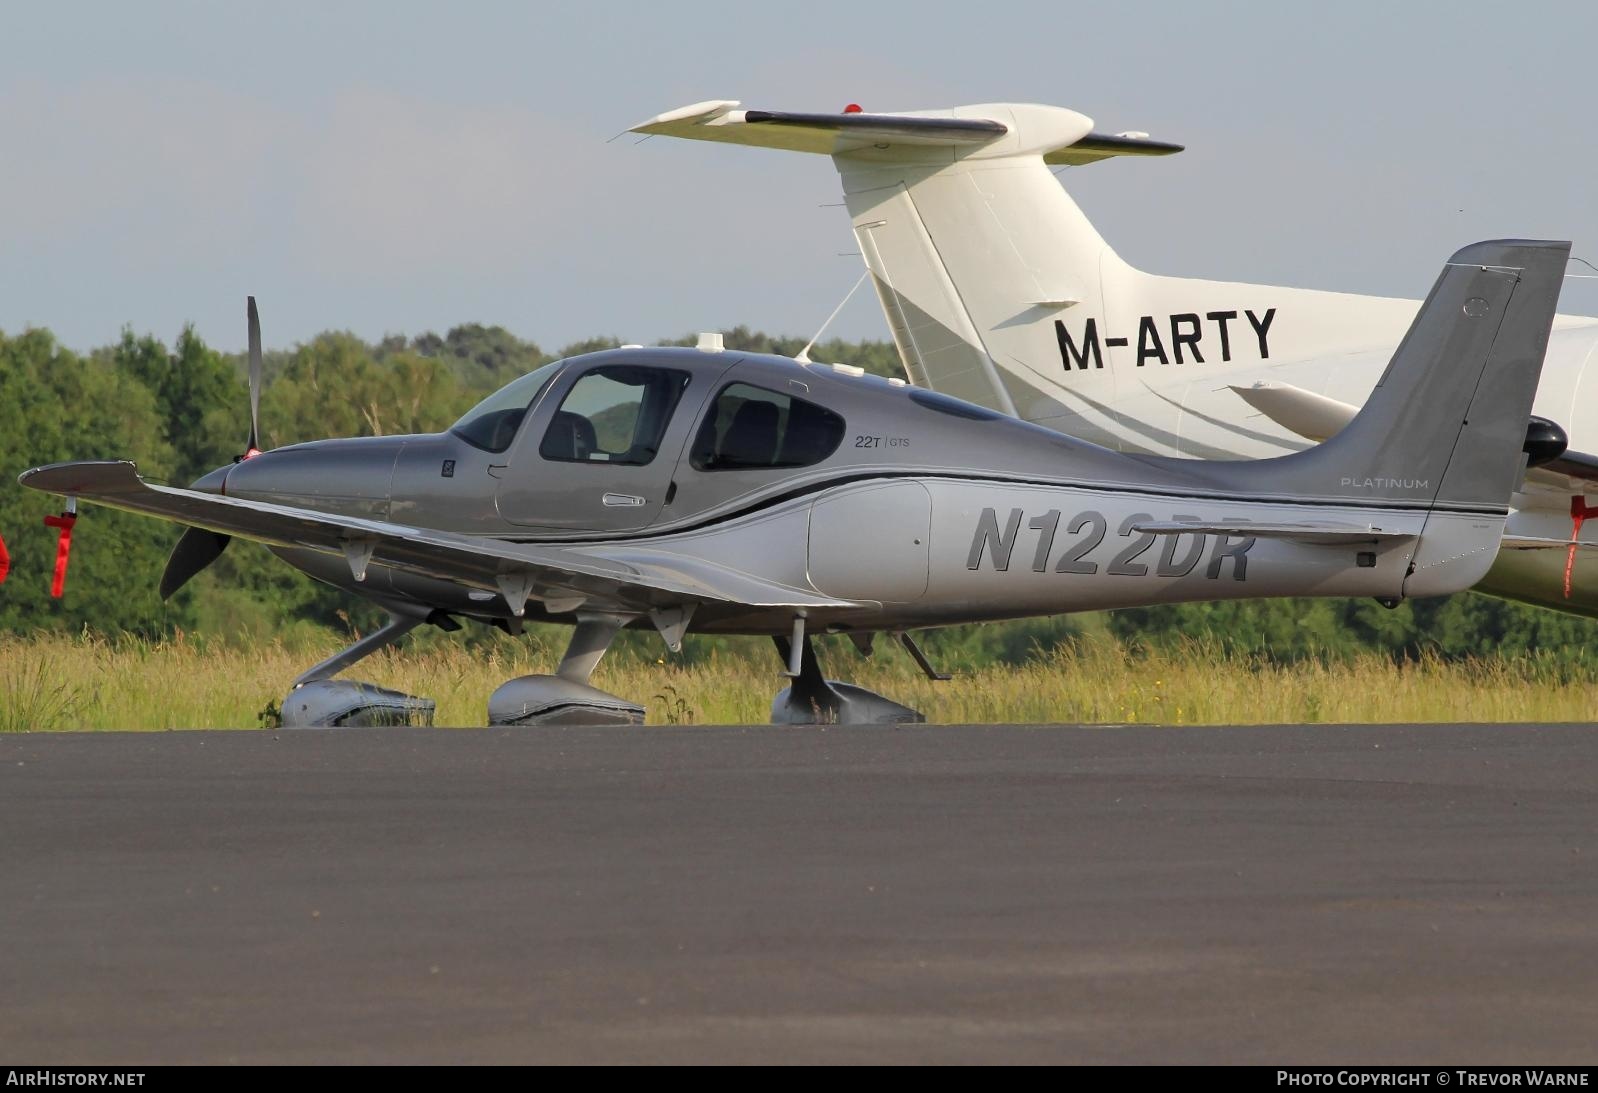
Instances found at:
x=616 y=413
x=492 y=424
x=751 y=428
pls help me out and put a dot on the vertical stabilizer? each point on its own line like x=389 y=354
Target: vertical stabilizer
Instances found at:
x=1444 y=428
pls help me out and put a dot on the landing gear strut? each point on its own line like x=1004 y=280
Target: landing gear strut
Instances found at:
x=565 y=698
x=812 y=699
x=320 y=701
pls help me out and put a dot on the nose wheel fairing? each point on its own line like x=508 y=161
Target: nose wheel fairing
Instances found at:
x=348 y=703
x=320 y=701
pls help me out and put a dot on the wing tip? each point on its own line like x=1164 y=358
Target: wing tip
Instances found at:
x=82 y=475
x=693 y=112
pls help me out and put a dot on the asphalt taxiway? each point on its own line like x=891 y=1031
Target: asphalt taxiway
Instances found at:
x=1008 y=894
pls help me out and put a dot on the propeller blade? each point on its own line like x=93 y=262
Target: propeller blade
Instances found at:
x=255 y=378
x=196 y=549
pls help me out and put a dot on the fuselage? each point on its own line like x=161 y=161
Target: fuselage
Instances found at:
x=821 y=479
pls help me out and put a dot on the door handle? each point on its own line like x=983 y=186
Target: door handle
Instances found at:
x=623 y=501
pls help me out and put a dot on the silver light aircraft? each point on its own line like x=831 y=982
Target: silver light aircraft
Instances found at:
x=734 y=493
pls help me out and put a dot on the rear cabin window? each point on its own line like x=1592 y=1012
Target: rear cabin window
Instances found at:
x=751 y=428
x=614 y=414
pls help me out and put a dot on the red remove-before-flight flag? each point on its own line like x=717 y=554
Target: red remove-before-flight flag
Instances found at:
x=63 y=550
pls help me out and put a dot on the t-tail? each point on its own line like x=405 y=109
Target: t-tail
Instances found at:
x=995 y=285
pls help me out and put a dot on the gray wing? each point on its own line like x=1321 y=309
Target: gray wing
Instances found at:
x=621 y=577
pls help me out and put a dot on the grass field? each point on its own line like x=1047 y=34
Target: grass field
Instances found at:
x=54 y=682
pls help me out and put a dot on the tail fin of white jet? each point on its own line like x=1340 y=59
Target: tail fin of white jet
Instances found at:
x=998 y=289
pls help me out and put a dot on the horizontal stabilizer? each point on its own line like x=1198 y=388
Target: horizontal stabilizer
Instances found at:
x=1537 y=542
x=1061 y=136
x=1319 y=533
x=827 y=134
x=1097 y=146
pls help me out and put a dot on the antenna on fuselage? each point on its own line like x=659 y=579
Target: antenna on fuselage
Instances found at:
x=803 y=356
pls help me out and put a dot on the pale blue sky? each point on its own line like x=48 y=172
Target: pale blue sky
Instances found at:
x=396 y=167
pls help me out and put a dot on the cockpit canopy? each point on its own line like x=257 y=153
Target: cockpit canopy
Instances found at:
x=618 y=413
x=629 y=438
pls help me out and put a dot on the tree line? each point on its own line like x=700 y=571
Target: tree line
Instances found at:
x=180 y=410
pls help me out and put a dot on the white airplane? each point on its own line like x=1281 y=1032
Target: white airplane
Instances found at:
x=998 y=290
